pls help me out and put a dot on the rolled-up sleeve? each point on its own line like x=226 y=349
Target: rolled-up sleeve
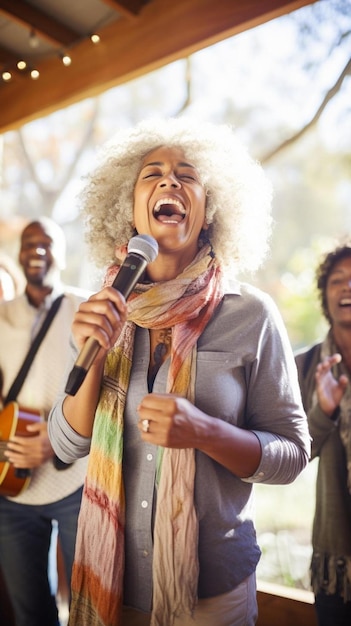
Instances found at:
x=68 y=445
x=285 y=457
x=276 y=412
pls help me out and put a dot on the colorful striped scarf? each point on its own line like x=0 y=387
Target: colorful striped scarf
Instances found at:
x=186 y=305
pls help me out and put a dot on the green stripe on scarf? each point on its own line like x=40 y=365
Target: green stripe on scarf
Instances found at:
x=185 y=304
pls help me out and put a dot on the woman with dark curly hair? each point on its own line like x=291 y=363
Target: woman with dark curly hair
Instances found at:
x=193 y=396
x=324 y=373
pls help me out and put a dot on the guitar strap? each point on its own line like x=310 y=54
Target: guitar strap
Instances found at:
x=18 y=382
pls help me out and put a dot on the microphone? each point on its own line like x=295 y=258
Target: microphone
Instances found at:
x=142 y=249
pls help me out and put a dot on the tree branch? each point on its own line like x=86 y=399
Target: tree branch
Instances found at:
x=327 y=98
x=50 y=193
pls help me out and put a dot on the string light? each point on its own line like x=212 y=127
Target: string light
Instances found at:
x=66 y=59
x=21 y=64
x=33 y=39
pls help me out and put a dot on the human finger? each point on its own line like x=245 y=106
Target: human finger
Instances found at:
x=101 y=317
x=327 y=363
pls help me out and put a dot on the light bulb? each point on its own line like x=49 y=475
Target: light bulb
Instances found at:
x=33 y=39
x=66 y=59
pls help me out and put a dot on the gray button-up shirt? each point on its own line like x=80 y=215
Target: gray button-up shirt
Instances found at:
x=245 y=375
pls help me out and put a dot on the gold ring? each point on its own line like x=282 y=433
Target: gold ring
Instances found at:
x=145 y=426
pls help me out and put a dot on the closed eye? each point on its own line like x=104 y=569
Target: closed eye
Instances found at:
x=187 y=176
x=151 y=175
x=179 y=176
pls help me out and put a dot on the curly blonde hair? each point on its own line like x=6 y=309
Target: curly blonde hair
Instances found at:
x=239 y=194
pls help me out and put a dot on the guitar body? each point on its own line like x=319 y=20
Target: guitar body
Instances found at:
x=13 y=421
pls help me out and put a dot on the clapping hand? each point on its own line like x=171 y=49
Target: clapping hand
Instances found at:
x=329 y=389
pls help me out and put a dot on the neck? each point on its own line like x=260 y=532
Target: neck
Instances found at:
x=37 y=294
x=168 y=266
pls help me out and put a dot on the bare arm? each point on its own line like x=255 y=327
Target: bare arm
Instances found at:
x=235 y=448
x=101 y=317
x=176 y=423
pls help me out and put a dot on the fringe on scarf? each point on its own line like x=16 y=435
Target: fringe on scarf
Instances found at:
x=332 y=575
x=185 y=304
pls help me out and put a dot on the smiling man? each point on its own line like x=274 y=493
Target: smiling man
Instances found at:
x=26 y=517
x=324 y=373
x=42 y=257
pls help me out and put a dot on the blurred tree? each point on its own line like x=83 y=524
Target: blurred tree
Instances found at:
x=284 y=85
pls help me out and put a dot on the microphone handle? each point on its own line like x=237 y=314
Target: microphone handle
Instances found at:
x=125 y=281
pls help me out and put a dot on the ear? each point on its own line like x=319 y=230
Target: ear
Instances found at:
x=205 y=226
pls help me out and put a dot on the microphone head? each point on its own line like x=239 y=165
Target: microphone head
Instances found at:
x=145 y=245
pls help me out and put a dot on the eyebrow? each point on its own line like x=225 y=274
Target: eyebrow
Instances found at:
x=338 y=270
x=160 y=163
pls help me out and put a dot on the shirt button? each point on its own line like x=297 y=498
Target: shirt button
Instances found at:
x=144 y=504
x=260 y=474
x=149 y=457
x=145 y=553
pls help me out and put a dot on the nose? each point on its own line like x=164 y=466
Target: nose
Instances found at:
x=170 y=180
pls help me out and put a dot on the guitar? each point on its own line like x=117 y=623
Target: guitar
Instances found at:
x=13 y=421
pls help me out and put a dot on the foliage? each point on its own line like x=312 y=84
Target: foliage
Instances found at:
x=285 y=86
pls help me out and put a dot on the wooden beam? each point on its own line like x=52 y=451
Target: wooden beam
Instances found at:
x=284 y=606
x=128 y=8
x=162 y=33
x=7 y=56
x=45 y=26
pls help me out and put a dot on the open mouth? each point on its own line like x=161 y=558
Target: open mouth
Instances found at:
x=36 y=263
x=345 y=302
x=169 y=211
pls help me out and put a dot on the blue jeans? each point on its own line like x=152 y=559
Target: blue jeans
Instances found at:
x=25 y=533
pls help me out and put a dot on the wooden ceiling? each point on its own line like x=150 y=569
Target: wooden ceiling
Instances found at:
x=136 y=36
